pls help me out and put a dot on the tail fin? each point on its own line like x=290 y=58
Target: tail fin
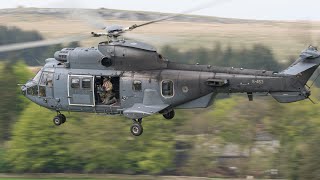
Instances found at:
x=305 y=66
x=301 y=71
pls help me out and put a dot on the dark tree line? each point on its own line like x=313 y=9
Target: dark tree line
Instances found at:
x=257 y=57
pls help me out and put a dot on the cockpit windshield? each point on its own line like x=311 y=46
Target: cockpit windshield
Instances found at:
x=37 y=77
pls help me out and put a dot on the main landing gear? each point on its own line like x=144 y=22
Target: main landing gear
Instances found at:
x=169 y=115
x=136 y=128
x=59 y=119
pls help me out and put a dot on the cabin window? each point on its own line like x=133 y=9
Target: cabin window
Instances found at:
x=75 y=83
x=86 y=83
x=167 y=88
x=137 y=85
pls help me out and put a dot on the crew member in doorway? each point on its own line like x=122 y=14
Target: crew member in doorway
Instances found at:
x=107 y=96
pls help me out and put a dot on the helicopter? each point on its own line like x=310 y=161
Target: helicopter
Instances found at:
x=145 y=83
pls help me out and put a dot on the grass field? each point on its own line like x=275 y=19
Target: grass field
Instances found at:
x=284 y=38
x=99 y=177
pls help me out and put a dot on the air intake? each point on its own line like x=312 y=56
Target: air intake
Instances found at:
x=63 y=54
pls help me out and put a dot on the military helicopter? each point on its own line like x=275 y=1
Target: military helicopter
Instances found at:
x=145 y=83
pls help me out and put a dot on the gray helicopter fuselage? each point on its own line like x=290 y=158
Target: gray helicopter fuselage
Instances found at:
x=145 y=83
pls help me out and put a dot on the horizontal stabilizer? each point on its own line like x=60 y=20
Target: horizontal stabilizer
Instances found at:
x=287 y=97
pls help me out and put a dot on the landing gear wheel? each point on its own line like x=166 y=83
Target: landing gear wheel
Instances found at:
x=57 y=120
x=136 y=129
x=169 y=115
x=63 y=117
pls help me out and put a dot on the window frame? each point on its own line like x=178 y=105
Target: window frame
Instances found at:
x=72 y=91
x=173 y=92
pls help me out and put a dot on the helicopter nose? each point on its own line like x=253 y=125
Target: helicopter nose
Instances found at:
x=23 y=89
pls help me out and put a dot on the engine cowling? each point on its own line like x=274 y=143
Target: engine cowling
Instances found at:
x=63 y=54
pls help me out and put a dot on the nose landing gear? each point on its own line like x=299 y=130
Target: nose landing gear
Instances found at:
x=136 y=128
x=59 y=119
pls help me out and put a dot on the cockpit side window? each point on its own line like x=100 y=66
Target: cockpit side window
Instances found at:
x=46 y=79
x=42 y=81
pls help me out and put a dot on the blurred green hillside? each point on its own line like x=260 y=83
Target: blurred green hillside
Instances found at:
x=233 y=138
x=194 y=143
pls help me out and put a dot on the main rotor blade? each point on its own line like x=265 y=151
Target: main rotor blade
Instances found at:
x=157 y=40
x=200 y=7
x=41 y=43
